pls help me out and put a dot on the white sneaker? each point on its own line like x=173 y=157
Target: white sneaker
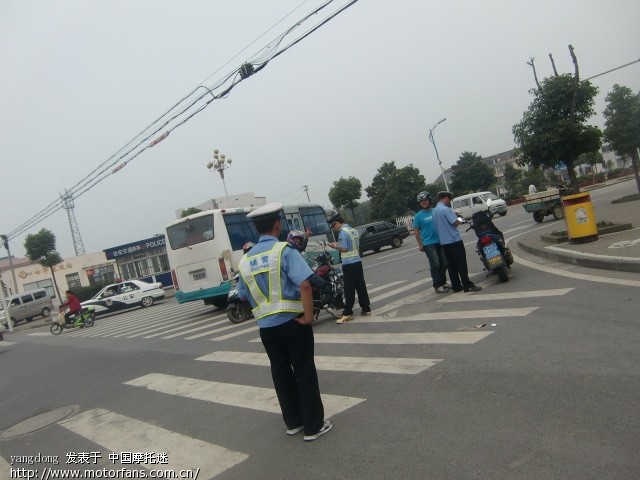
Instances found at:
x=344 y=318
x=325 y=428
x=293 y=431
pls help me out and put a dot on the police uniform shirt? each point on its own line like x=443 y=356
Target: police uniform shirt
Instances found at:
x=443 y=220
x=295 y=271
x=344 y=241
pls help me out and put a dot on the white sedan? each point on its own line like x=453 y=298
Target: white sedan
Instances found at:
x=123 y=295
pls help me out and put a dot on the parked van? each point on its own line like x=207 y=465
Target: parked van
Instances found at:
x=467 y=205
x=26 y=306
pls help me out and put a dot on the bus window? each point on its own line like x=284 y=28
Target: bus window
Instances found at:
x=191 y=232
x=241 y=230
x=315 y=219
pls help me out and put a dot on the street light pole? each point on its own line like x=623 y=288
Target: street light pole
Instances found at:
x=432 y=140
x=220 y=164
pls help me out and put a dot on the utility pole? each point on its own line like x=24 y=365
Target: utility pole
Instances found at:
x=306 y=189
x=5 y=241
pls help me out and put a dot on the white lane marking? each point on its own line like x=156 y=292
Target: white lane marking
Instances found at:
x=176 y=318
x=504 y=296
x=563 y=273
x=37 y=334
x=388 y=285
x=462 y=314
x=209 y=332
x=590 y=255
x=399 y=338
x=6 y=343
x=406 y=366
x=391 y=293
x=517 y=228
x=173 y=328
x=118 y=433
x=575 y=275
x=191 y=326
x=251 y=328
x=391 y=260
x=244 y=396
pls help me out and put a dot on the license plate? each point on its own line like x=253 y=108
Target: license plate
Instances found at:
x=491 y=251
x=200 y=276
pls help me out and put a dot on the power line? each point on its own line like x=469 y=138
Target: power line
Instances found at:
x=138 y=144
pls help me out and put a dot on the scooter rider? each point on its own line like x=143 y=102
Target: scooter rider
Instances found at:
x=74 y=306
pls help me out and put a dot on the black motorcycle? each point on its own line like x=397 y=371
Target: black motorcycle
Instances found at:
x=238 y=311
x=494 y=254
x=328 y=292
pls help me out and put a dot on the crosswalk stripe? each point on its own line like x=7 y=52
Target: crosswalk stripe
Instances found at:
x=408 y=366
x=118 y=433
x=400 y=338
x=208 y=321
x=210 y=332
x=461 y=314
x=250 y=328
x=382 y=287
x=475 y=297
x=399 y=290
x=255 y=398
x=6 y=343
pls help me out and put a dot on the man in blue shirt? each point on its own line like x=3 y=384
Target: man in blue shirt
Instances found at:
x=446 y=224
x=348 y=245
x=274 y=278
x=429 y=242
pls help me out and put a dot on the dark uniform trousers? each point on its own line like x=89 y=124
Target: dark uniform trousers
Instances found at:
x=456 y=256
x=290 y=350
x=354 y=282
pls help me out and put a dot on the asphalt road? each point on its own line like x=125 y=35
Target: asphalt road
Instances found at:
x=534 y=378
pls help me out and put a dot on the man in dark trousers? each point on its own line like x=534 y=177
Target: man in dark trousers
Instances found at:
x=446 y=223
x=348 y=245
x=275 y=279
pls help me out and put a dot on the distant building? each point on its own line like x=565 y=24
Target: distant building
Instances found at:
x=240 y=200
x=143 y=259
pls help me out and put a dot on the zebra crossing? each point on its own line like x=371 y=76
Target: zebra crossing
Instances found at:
x=116 y=432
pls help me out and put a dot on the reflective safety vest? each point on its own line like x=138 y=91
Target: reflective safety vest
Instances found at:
x=355 y=243
x=267 y=262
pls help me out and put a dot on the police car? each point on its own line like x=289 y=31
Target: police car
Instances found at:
x=123 y=295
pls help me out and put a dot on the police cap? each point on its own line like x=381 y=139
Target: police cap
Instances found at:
x=335 y=218
x=445 y=194
x=270 y=210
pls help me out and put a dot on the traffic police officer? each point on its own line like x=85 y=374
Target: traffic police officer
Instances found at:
x=348 y=245
x=274 y=278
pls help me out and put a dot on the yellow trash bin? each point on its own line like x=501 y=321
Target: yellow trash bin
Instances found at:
x=579 y=217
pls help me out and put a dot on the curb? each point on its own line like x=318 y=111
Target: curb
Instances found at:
x=583 y=261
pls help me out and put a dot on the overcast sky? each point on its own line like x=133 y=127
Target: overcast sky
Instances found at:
x=81 y=78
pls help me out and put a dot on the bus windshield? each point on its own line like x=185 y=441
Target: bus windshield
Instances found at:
x=191 y=232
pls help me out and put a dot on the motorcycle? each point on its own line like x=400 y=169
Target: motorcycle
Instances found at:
x=494 y=254
x=84 y=318
x=237 y=310
x=329 y=297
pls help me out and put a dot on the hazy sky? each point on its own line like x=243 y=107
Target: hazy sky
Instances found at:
x=81 y=78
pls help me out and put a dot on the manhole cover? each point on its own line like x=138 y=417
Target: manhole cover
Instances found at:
x=38 y=422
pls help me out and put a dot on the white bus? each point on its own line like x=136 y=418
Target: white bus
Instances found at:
x=204 y=248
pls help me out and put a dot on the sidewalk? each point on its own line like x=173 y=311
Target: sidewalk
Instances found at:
x=614 y=251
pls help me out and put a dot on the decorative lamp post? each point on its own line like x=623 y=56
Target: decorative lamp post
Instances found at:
x=432 y=140
x=220 y=164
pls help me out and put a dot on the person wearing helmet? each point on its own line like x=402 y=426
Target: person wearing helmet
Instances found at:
x=247 y=246
x=298 y=240
x=429 y=242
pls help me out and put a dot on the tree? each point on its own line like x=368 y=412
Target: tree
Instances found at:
x=189 y=211
x=513 y=179
x=471 y=174
x=393 y=191
x=553 y=129
x=41 y=247
x=345 y=193
x=592 y=159
x=622 y=124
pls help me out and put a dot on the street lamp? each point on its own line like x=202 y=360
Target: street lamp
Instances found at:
x=220 y=165
x=432 y=140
